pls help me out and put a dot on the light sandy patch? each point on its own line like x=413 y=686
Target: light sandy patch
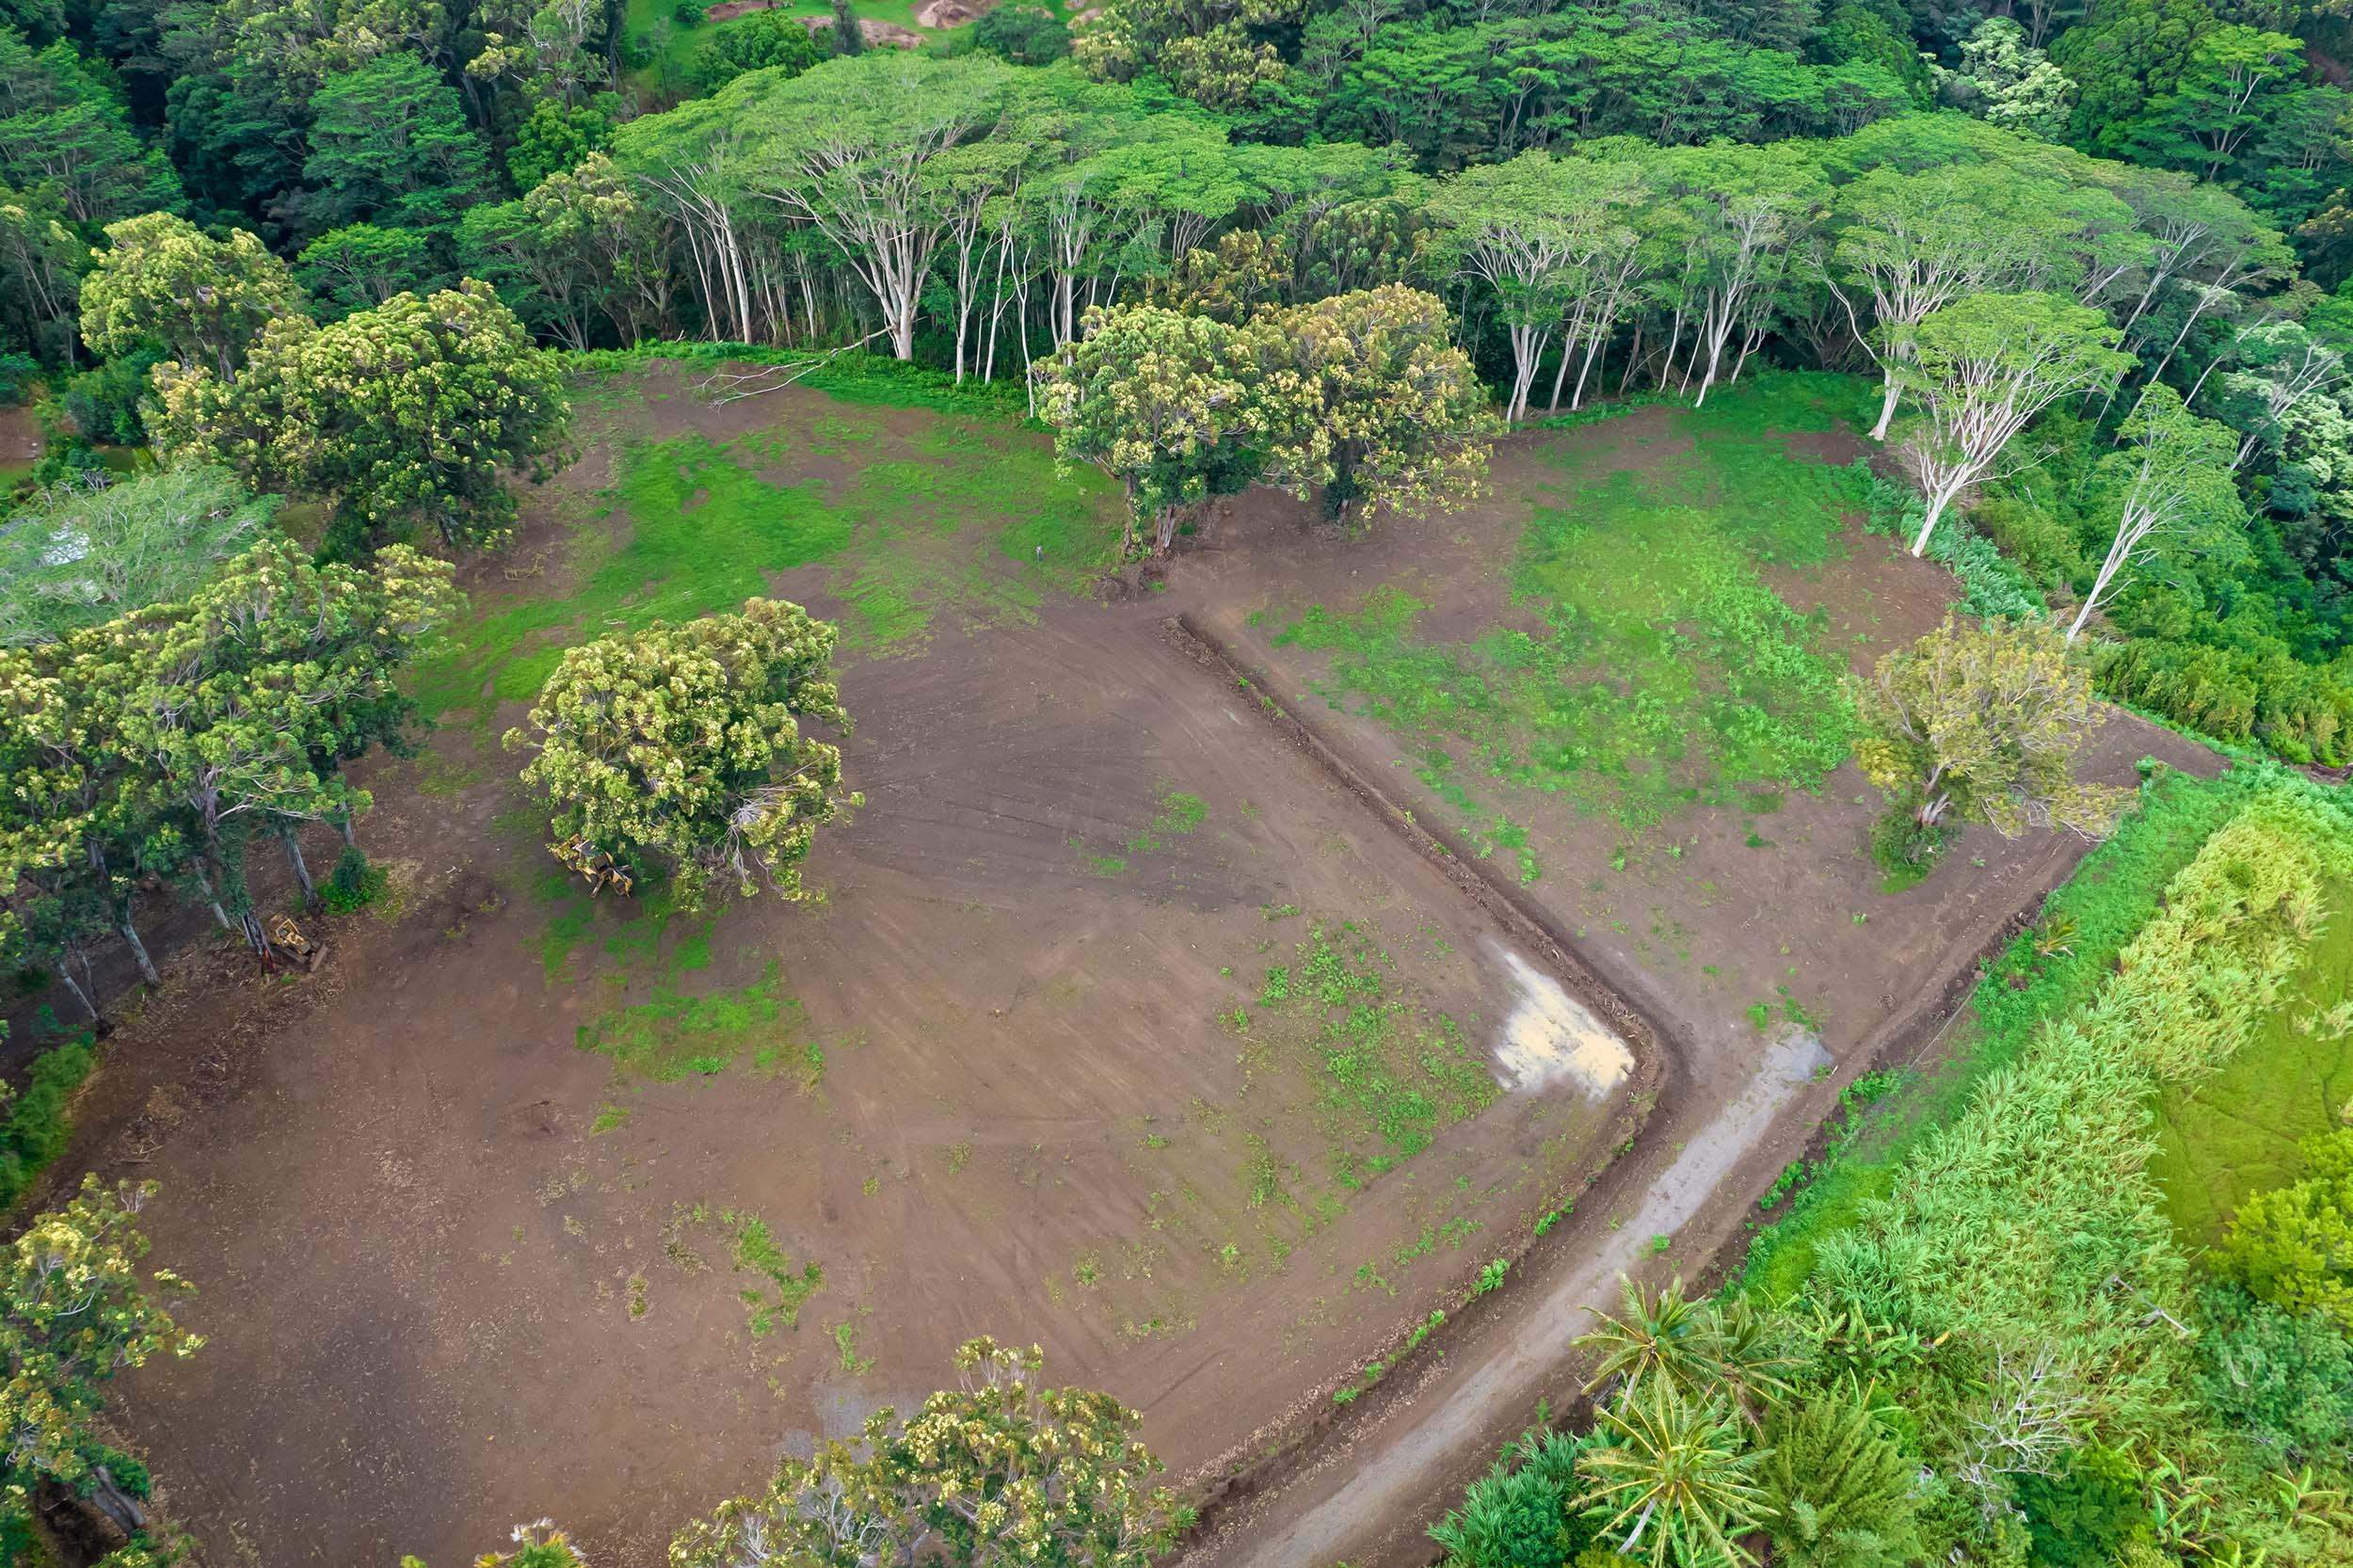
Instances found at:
x=1551 y=1037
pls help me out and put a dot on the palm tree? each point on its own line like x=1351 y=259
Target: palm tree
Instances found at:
x=1698 y=1347
x=1665 y=1336
x=1670 y=1462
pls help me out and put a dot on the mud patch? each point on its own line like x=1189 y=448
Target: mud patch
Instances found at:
x=1551 y=1038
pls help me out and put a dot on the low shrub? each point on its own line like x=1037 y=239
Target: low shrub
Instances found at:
x=353 y=885
x=37 y=1126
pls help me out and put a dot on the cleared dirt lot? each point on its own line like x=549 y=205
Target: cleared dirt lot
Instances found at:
x=1123 y=1027
x=1023 y=1071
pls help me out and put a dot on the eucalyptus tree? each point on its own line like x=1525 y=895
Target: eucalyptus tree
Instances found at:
x=1914 y=242
x=1743 y=211
x=2172 y=476
x=1530 y=232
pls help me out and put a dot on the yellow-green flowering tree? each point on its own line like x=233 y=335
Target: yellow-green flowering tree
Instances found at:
x=1982 y=723
x=995 y=1472
x=162 y=280
x=680 y=748
x=74 y=1310
x=415 y=411
x=1369 y=402
x=1161 y=401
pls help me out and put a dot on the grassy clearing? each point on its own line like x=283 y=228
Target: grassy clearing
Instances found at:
x=2235 y=1134
x=672 y=1035
x=1654 y=669
x=1389 y=1076
x=910 y=516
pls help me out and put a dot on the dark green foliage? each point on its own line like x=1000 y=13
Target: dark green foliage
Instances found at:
x=555 y=137
x=353 y=885
x=18 y=374
x=1026 y=35
x=1900 y=845
x=2084 y=1515
x=389 y=144
x=37 y=1130
x=2287 y=1378
x=1517 y=1515
x=762 y=40
x=106 y=404
x=361 y=266
x=1841 y=1489
x=63 y=131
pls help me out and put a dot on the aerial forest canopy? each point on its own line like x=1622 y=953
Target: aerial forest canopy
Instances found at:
x=253 y=236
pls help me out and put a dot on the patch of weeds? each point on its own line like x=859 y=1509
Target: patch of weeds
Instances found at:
x=845 y=1347
x=671 y=1035
x=1490 y=1278
x=609 y=1118
x=1760 y=1013
x=1179 y=815
x=1390 y=1075
x=636 y=1295
x=959 y=1156
x=1659 y=658
x=754 y=1250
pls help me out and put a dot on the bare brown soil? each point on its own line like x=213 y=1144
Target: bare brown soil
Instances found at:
x=439 y=1302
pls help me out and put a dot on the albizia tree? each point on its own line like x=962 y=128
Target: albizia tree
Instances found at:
x=1984 y=367
x=680 y=748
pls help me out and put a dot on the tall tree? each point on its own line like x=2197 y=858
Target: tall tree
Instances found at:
x=239 y=708
x=413 y=411
x=1982 y=723
x=1985 y=366
x=853 y=149
x=163 y=280
x=65 y=136
x=1918 y=241
x=2171 y=478
x=389 y=144
x=1533 y=232
x=681 y=749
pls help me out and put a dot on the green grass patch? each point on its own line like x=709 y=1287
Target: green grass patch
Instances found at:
x=956 y=513
x=1655 y=669
x=1179 y=815
x=785 y=1289
x=671 y=1035
x=2235 y=1132
x=39 y=1122
x=1389 y=1075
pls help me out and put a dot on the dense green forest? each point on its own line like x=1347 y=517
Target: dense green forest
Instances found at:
x=1642 y=196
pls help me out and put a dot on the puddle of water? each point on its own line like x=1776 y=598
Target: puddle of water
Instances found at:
x=1552 y=1038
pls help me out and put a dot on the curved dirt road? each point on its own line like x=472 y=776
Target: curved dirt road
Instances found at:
x=1369 y=1503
